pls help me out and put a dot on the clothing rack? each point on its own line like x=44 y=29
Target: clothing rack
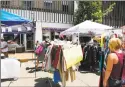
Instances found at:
x=91 y=63
x=63 y=74
x=48 y=81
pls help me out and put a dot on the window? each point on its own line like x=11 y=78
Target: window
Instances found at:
x=65 y=8
x=47 y=4
x=28 y=5
x=8 y=37
x=65 y=2
x=5 y=4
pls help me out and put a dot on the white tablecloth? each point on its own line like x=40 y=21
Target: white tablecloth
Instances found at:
x=10 y=68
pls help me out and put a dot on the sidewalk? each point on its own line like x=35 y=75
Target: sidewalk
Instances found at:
x=28 y=79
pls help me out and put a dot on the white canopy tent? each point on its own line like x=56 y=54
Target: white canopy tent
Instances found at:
x=86 y=27
x=117 y=31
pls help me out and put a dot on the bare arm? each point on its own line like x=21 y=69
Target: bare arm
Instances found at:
x=6 y=45
x=109 y=67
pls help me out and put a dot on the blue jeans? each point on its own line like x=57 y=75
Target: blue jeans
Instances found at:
x=123 y=82
x=114 y=82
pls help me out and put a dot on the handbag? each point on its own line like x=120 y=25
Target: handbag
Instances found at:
x=116 y=82
x=39 y=50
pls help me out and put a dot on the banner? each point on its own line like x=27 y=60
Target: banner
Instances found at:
x=72 y=55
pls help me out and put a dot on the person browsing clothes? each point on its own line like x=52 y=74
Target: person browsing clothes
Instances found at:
x=115 y=70
x=4 y=47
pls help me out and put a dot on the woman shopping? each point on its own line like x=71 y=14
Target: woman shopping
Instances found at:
x=115 y=71
x=40 y=53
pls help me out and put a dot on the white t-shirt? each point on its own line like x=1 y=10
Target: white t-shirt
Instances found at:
x=3 y=44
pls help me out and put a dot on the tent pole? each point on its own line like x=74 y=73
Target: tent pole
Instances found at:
x=34 y=25
x=34 y=46
x=20 y=39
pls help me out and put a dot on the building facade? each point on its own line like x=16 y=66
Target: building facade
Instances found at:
x=55 y=16
x=45 y=11
x=116 y=18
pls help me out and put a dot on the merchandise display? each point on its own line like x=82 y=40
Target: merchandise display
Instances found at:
x=58 y=58
x=8 y=71
x=59 y=62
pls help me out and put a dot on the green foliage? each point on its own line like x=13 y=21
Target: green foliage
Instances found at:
x=91 y=10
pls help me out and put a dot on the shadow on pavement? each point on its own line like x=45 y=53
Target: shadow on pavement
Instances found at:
x=5 y=80
x=33 y=69
x=45 y=82
x=86 y=70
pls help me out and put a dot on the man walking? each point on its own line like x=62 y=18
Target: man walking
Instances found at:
x=4 y=47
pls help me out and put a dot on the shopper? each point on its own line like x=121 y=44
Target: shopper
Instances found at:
x=4 y=47
x=114 y=64
x=41 y=56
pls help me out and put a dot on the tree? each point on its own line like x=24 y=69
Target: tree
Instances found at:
x=91 y=10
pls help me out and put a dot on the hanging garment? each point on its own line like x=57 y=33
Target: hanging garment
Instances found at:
x=107 y=51
x=98 y=53
x=91 y=57
x=48 y=58
x=63 y=79
x=63 y=68
x=85 y=57
x=53 y=53
x=74 y=54
x=55 y=62
x=67 y=75
x=84 y=54
x=72 y=74
x=106 y=55
x=56 y=76
x=102 y=40
x=101 y=63
x=60 y=64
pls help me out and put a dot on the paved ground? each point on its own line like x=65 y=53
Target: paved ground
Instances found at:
x=27 y=78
